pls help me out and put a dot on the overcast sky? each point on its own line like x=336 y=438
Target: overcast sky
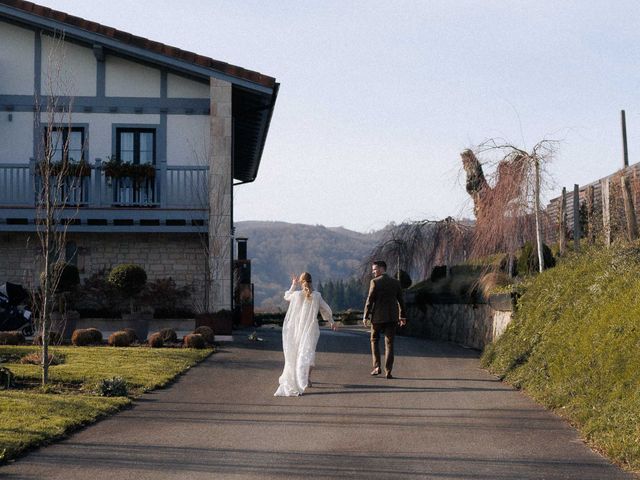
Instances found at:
x=378 y=98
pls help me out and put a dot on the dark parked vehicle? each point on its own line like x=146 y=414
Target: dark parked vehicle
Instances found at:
x=14 y=315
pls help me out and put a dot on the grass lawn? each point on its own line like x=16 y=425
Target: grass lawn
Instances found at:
x=32 y=416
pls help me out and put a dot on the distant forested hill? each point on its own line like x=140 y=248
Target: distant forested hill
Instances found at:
x=278 y=249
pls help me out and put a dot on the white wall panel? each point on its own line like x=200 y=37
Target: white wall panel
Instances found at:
x=16 y=60
x=16 y=137
x=129 y=79
x=187 y=139
x=67 y=69
x=180 y=87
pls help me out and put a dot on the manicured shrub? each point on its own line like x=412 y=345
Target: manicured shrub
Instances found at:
x=131 y=333
x=207 y=334
x=128 y=278
x=168 y=335
x=11 y=338
x=194 y=340
x=528 y=260
x=113 y=387
x=155 y=340
x=119 y=339
x=86 y=336
x=55 y=338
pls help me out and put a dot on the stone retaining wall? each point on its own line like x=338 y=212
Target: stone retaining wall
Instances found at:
x=471 y=325
x=179 y=256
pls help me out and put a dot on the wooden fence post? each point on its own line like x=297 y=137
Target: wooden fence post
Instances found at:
x=629 y=210
x=606 y=211
x=589 y=202
x=562 y=222
x=576 y=217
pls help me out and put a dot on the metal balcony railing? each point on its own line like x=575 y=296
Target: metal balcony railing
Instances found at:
x=172 y=187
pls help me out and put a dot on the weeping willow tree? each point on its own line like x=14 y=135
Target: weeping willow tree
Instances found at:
x=507 y=205
x=416 y=247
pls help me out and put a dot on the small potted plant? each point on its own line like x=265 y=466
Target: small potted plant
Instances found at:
x=129 y=279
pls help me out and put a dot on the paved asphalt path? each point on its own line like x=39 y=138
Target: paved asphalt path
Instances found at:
x=442 y=417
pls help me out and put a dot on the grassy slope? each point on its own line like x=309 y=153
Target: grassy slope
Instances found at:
x=574 y=345
x=31 y=418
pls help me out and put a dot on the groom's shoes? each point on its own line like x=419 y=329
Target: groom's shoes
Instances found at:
x=388 y=375
x=376 y=371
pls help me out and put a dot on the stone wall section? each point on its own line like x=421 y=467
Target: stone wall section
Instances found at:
x=471 y=325
x=179 y=256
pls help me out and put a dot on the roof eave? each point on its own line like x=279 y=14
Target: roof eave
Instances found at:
x=113 y=44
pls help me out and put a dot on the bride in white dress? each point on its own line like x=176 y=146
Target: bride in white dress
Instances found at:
x=300 y=333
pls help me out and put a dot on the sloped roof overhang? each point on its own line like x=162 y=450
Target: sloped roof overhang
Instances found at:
x=254 y=94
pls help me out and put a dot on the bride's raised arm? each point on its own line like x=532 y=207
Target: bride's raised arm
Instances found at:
x=326 y=313
x=292 y=288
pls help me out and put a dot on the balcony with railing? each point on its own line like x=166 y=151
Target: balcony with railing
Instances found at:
x=172 y=199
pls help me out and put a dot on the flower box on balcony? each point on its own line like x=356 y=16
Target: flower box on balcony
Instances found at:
x=115 y=169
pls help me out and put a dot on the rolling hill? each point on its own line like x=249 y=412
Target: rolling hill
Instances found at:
x=278 y=249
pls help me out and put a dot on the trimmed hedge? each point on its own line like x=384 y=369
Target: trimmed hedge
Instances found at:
x=207 y=334
x=83 y=337
x=194 y=340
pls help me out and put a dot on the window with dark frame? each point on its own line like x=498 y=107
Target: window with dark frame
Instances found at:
x=66 y=143
x=136 y=145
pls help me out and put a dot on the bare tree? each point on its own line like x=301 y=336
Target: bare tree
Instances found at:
x=213 y=246
x=509 y=212
x=58 y=185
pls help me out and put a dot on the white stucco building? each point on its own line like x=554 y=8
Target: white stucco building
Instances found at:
x=198 y=124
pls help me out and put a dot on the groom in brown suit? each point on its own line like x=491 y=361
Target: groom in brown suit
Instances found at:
x=385 y=310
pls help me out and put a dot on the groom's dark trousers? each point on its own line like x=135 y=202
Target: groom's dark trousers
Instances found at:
x=389 y=330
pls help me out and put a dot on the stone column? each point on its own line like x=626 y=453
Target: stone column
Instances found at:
x=220 y=195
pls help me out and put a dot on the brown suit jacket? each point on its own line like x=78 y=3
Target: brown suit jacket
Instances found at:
x=385 y=303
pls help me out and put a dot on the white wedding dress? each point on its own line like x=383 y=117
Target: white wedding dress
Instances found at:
x=300 y=333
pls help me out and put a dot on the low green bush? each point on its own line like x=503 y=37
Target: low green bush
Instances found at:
x=528 y=262
x=113 y=387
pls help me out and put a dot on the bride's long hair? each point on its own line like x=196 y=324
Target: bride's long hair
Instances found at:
x=305 y=282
